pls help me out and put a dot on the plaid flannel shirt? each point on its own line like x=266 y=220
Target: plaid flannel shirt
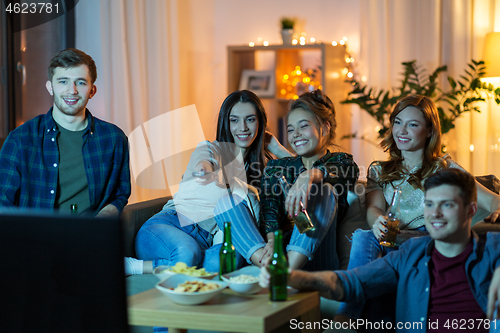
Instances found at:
x=29 y=162
x=339 y=169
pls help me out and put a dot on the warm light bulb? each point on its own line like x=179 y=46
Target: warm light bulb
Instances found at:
x=294 y=41
x=334 y=43
x=285 y=77
x=313 y=39
x=251 y=44
x=348 y=60
x=297 y=67
x=266 y=43
x=471 y=148
x=283 y=91
x=349 y=75
x=344 y=39
x=298 y=72
x=302 y=38
x=351 y=59
x=302 y=42
x=363 y=78
x=342 y=42
x=345 y=71
x=295 y=97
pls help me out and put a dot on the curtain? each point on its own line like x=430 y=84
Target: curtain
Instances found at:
x=140 y=48
x=435 y=33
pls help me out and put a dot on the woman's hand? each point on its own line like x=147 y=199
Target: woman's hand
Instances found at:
x=379 y=227
x=268 y=252
x=300 y=190
x=493 y=217
x=266 y=255
x=206 y=168
x=275 y=147
x=298 y=193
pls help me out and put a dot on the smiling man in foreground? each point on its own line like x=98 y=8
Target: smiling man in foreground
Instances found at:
x=442 y=280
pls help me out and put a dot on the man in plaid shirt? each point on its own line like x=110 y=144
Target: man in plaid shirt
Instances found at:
x=67 y=156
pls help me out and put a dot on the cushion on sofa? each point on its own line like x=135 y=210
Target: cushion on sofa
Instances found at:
x=134 y=216
x=354 y=219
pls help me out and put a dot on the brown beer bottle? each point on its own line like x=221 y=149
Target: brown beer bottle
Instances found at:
x=393 y=217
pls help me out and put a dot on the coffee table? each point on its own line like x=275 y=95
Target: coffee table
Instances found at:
x=227 y=312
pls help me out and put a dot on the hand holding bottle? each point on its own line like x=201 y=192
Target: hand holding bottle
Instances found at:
x=295 y=209
x=379 y=227
x=296 y=199
x=392 y=221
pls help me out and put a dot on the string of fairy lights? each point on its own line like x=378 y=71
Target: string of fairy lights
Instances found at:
x=299 y=80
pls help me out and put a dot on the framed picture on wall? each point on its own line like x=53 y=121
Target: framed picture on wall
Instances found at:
x=262 y=83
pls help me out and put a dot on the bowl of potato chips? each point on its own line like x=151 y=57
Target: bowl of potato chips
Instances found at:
x=187 y=290
x=163 y=271
x=244 y=280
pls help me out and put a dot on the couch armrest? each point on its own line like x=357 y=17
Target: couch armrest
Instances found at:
x=134 y=216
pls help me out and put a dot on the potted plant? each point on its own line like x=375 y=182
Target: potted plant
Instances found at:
x=287 y=24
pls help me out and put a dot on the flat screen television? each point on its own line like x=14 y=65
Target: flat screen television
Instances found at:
x=61 y=273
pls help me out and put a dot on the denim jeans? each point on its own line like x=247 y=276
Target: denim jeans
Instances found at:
x=366 y=248
x=320 y=245
x=166 y=241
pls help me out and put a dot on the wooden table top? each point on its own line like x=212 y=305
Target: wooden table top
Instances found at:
x=228 y=311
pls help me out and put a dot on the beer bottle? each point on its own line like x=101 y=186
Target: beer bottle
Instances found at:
x=393 y=217
x=227 y=253
x=302 y=220
x=74 y=209
x=278 y=268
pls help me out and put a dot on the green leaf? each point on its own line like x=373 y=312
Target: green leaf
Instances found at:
x=452 y=82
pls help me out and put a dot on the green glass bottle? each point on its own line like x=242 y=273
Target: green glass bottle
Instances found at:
x=278 y=268
x=74 y=209
x=227 y=253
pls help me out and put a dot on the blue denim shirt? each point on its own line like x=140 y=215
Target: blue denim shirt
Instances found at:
x=407 y=270
x=29 y=161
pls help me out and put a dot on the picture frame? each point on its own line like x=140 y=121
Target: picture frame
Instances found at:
x=262 y=83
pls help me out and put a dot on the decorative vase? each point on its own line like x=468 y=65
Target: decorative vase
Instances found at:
x=287 y=36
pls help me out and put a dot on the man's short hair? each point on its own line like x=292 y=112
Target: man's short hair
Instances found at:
x=70 y=58
x=465 y=182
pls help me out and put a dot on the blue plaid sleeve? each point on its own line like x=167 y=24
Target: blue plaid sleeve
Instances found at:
x=10 y=178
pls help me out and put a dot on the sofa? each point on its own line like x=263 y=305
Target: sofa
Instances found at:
x=136 y=214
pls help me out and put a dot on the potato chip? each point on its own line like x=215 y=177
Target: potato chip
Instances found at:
x=182 y=268
x=195 y=286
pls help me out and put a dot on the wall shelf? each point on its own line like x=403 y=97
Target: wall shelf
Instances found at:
x=329 y=59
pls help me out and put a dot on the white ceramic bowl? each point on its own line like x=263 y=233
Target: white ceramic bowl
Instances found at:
x=244 y=288
x=188 y=298
x=162 y=272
